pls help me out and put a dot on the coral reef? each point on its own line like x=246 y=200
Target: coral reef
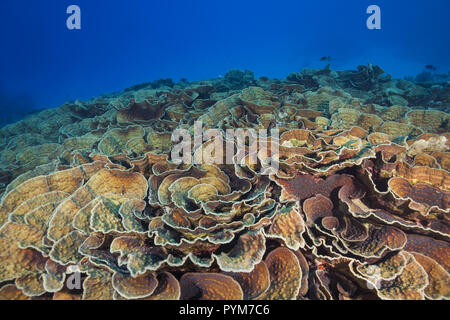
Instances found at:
x=359 y=208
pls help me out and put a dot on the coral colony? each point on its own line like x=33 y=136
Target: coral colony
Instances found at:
x=239 y=145
x=336 y=187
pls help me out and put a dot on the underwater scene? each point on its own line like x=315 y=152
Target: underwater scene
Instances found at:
x=212 y=150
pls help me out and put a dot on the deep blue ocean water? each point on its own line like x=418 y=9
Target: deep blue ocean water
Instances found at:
x=122 y=43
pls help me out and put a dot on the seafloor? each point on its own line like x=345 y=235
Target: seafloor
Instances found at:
x=359 y=208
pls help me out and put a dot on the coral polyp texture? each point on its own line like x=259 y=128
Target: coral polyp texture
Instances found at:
x=94 y=207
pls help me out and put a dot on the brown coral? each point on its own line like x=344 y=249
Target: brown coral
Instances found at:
x=358 y=208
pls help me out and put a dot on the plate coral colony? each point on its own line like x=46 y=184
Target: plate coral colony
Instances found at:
x=348 y=199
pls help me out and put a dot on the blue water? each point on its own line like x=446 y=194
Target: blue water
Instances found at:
x=122 y=43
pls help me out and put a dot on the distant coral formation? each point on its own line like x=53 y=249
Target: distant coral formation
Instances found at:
x=359 y=208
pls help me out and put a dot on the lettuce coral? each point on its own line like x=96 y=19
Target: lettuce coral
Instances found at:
x=359 y=208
